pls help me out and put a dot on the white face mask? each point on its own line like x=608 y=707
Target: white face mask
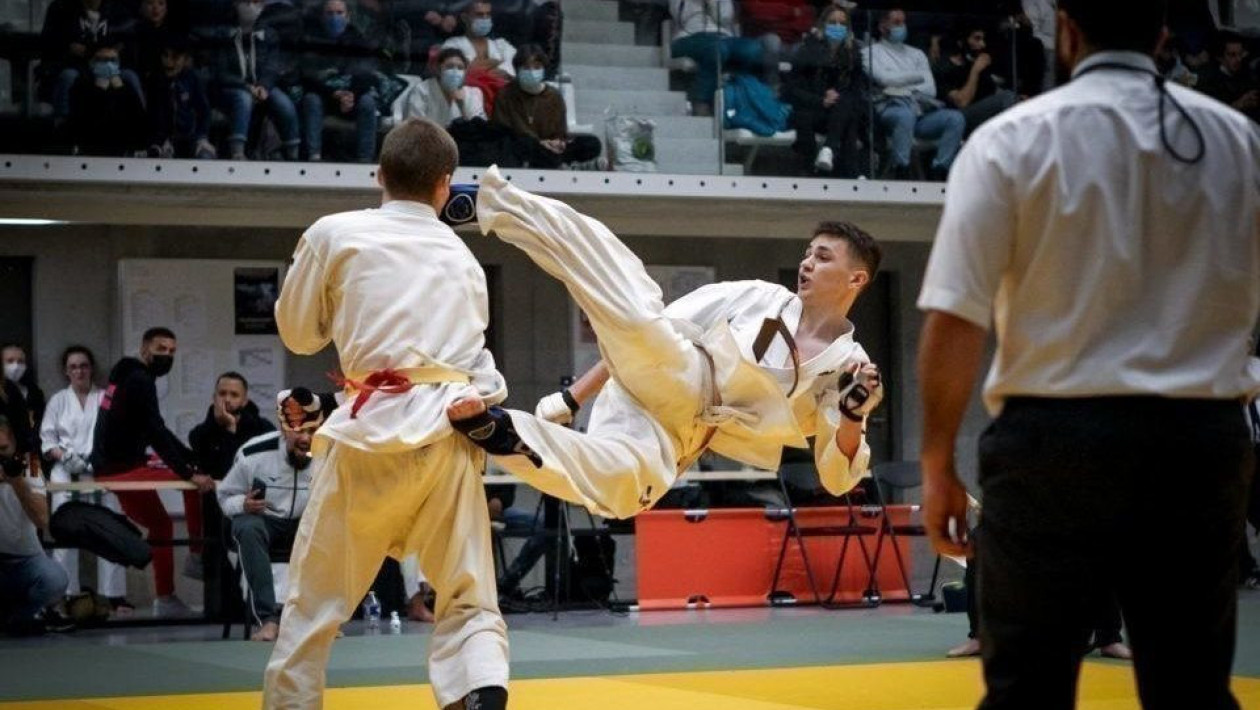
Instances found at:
x=13 y=371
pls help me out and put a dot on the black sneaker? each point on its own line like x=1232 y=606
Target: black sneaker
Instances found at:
x=461 y=206
x=56 y=623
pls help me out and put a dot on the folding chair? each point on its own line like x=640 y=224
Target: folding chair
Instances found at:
x=852 y=527
x=901 y=476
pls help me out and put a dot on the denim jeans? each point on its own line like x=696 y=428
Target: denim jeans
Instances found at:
x=945 y=126
x=713 y=52
x=238 y=104
x=520 y=521
x=69 y=75
x=27 y=585
x=366 y=120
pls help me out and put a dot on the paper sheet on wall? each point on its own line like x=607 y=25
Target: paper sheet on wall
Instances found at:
x=190 y=316
x=261 y=365
x=196 y=374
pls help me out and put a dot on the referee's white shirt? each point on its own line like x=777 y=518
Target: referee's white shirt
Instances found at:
x=1106 y=266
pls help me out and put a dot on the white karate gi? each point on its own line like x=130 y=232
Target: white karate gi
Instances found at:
x=392 y=288
x=68 y=426
x=655 y=412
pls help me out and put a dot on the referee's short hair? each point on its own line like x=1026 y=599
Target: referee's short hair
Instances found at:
x=1127 y=25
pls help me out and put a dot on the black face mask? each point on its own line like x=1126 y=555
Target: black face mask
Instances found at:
x=160 y=365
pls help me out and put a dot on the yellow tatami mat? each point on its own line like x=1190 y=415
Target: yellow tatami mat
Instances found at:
x=937 y=685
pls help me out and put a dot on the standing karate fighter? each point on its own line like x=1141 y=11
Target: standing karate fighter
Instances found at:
x=405 y=303
x=743 y=368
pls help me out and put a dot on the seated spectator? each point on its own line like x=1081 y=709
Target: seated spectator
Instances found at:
x=72 y=30
x=66 y=432
x=491 y=60
x=264 y=495
x=780 y=25
x=179 y=111
x=231 y=420
x=535 y=113
x=905 y=100
x=965 y=81
x=1019 y=58
x=519 y=522
x=29 y=579
x=337 y=73
x=1042 y=18
x=129 y=422
x=444 y=98
x=1170 y=66
x=107 y=116
x=431 y=24
x=704 y=31
x=1229 y=82
x=828 y=91
x=243 y=65
x=539 y=22
x=22 y=375
x=145 y=42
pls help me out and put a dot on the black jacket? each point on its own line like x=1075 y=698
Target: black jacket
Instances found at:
x=817 y=68
x=17 y=412
x=130 y=421
x=215 y=447
x=346 y=63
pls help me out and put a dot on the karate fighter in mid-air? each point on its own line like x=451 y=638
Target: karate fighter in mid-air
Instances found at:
x=741 y=368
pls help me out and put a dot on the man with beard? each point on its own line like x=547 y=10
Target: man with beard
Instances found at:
x=265 y=493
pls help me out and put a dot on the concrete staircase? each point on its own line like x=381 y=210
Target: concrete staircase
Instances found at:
x=611 y=75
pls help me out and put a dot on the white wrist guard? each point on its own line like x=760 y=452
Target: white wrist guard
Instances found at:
x=555 y=408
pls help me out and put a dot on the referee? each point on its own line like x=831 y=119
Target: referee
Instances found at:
x=1110 y=233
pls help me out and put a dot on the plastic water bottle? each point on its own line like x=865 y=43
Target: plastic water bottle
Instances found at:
x=395 y=623
x=372 y=610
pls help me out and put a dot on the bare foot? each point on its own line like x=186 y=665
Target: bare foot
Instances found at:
x=1116 y=650
x=465 y=408
x=268 y=632
x=970 y=647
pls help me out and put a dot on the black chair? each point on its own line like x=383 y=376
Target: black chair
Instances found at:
x=233 y=602
x=900 y=476
x=851 y=528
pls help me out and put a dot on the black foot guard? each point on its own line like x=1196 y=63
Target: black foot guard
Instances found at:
x=491 y=697
x=492 y=430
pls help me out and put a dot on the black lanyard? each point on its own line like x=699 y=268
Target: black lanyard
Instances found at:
x=1164 y=97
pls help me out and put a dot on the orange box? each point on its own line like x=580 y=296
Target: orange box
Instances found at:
x=726 y=557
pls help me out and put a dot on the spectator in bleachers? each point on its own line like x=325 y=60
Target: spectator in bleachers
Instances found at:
x=780 y=25
x=231 y=420
x=144 y=43
x=444 y=98
x=905 y=100
x=264 y=495
x=1044 y=22
x=66 y=432
x=73 y=30
x=1229 y=82
x=130 y=422
x=179 y=109
x=244 y=65
x=1019 y=58
x=535 y=112
x=107 y=116
x=29 y=579
x=964 y=77
x=829 y=90
x=18 y=371
x=1170 y=66
x=337 y=73
x=491 y=60
x=704 y=31
x=431 y=24
x=539 y=22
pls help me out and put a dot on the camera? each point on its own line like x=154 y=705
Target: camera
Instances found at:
x=13 y=466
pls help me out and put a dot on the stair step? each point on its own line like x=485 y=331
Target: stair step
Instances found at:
x=597 y=10
x=639 y=103
x=588 y=77
x=598 y=32
x=666 y=126
x=610 y=55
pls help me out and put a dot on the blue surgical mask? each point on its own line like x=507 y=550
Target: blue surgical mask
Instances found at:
x=836 y=32
x=336 y=24
x=531 y=80
x=105 y=69
x=481 y=26
x=452 y=79
x=897 y=35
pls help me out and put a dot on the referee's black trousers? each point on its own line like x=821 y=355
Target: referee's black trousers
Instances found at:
x=1143 y=497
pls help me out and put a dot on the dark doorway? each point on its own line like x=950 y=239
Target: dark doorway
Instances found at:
x=16 y=322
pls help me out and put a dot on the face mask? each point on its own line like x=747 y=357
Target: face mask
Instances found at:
x=836 y=32
x=531 y=80
x=452 y=79
x=14 y=371
x=160 y=365
x=481 y=26
x=105 y=69
x=247 y=13
x=336 y=24
x=897 y=35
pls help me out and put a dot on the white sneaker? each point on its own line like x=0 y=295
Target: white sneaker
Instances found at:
x=825 y=160
x=172 y=607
